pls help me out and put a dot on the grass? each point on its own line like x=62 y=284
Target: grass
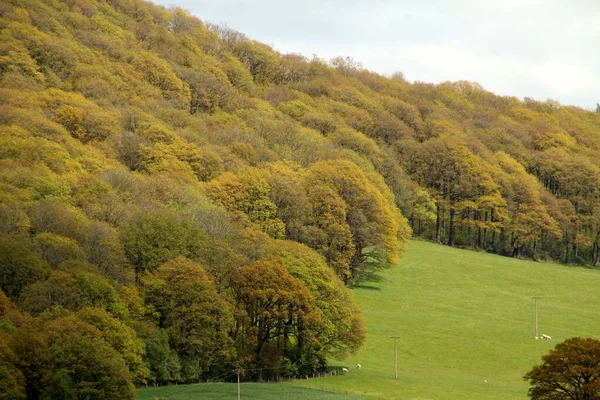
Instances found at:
x=248 y=390
x=463 y=318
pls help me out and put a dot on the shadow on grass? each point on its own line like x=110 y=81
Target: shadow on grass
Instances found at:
x=368 y=280
x=366 y=287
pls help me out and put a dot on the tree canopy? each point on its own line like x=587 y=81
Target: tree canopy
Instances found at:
x=570 y=371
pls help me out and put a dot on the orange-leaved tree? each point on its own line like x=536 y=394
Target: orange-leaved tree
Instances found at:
x=570 y=371
x=274 y=312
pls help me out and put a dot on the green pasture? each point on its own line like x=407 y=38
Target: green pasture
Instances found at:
x=224 y=391
x=466 y=326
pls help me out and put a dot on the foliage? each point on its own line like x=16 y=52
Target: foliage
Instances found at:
x=19 y=266
x=570 y=371
x=272 y=308
x=150 y=239
x=195 y=317
x=141 y=147
x=12 y=382
x=96 y=370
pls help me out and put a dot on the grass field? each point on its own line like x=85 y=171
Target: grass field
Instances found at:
x=225 y=391
x=463 y=318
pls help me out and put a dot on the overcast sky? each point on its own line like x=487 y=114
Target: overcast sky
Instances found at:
x=535 y=48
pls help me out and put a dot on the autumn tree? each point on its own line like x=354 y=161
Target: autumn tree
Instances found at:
x=246 y=194
x=331 y=235
x=458 y=180
x=274 y=312
x=377 y=228
x=570 y=371
x=341 y=330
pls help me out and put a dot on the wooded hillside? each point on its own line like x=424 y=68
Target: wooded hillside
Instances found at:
x=177 y=200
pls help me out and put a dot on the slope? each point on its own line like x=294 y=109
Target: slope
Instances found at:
x=465 y=317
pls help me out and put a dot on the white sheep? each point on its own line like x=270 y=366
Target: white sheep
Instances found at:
x=344 y=369
x=358 y=366
x=546 y=337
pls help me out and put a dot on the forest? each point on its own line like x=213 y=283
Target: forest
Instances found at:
x=178 y=200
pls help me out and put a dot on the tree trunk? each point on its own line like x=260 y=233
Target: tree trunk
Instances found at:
x=596 y=253
x=438 y=224
x=451 y=228
x=355 y=265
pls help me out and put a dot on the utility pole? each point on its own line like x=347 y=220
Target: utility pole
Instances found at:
x=395 y=356
x=535 y=299
x=237 y=371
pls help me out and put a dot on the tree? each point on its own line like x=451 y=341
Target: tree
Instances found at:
x=570 y=371
x=458 y=180
x=122 y=338
x=194 y=315
x=151 y=239
x=377 y=228
x=61 y=386
x=273 y=310
x=56 y=249
x=33 y=360
x=12 y=382
x=73 y=290
x=246 y=194
x=341 y=330
x=19 y=267
x=331 y=235
x=96 y=370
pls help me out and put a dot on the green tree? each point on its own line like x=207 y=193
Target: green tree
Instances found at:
x=12 y=381
x=72 y=290
x=341 y=330
x=55 y=248
x=33 y=359
x=122 y=338
x=61 y=386
x=150 y=239
x=570 y=371
x=162 y=361
x=96 y=370
x=193 y=314
x=19 y=267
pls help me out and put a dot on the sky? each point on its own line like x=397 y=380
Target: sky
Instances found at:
x=543 y=49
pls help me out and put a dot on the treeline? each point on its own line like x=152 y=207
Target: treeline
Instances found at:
x=177 y=200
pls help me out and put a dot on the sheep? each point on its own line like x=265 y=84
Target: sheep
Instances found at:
x=358 y=366
x=546 y=337
x=344 y=369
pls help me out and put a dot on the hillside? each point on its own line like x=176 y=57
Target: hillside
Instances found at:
x=177 y=200
x=464 y=317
